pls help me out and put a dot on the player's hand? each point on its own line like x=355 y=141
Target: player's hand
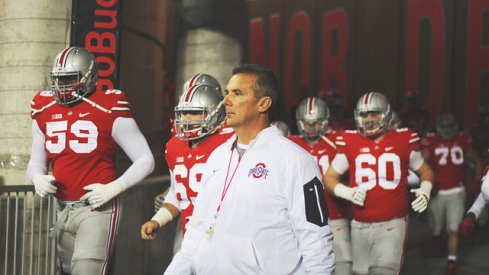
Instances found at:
x=159 y=200
x=422 y=193
x=359 y=196
x=149 y=229
x=356 y=195
x=44 y=185
x=99 y=194
x=467 y=225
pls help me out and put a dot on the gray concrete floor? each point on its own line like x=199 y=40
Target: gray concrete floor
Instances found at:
x=420 y=259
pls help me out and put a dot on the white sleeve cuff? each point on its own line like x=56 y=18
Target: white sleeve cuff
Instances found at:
x=340 y=163
x=415 y=160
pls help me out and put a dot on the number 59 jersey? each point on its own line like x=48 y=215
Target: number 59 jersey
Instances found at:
x=78 y=139
x=381 y=169
x=186 y=167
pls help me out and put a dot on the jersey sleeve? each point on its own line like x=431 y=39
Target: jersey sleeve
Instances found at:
x=40 y=102
x=118 y=103
x=414 y=142
x=171 y=196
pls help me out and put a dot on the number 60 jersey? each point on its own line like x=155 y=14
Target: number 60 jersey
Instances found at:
x=78 y=139
x=381 y=169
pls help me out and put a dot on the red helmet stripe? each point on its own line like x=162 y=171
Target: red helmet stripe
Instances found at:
x=193 y=80
x=189 y=93
x=310 y=105
x=367 y=98
x=62 y=58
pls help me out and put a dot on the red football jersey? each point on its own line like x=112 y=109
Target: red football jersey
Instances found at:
x=447 y=159
x=381 y=169
x=187 y=165
x=324 y=152
x=78 y=139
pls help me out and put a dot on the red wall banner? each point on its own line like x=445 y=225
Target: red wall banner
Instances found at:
x=95 y=26
x=439 y=48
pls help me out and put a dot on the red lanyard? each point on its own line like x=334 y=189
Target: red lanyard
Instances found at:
x=226 y=183
x=210 y=230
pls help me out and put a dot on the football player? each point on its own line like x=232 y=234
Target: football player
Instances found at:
x=199 y=119
x=76 y=129
x=447 y=150
x=378 y=160
x=312 y=116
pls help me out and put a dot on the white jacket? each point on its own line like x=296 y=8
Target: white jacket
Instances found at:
x=273 y=219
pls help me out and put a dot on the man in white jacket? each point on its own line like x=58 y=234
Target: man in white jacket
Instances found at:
x=261 y=209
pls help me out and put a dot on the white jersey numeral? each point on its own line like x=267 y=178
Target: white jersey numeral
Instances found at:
x=367 y=177
x=85 y=130
x=456 y=154
x=323 y=163
x=181 y=172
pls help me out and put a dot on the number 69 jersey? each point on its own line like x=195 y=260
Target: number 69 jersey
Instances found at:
x=186 y=167
x=381 y=169
x=78 y=139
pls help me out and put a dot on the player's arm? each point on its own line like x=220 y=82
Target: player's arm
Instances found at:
x=485 y=187
x=164 y=215
x=425 y=174
x=37 y=168
x=331 y=179
x=167 y=211
x=425 y=152
x=128 y=136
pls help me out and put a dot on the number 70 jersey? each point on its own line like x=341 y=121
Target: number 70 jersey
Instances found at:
x=381 y=169
x=186 y=167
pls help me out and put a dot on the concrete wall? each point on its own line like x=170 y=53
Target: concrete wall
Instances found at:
x=31 y=33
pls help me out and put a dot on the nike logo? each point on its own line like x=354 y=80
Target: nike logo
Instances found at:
x=199 y=157
x=339 y=228
x=321 y=151
x=389 y=148
x=390 y=228
x=84 y=114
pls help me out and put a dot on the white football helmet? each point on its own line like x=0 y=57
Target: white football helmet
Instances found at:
x=198 y=79
x=395 y=121
x=312 y=118
x=74 y=71
x=446 y=126
x=372 y=102
x=205 y=100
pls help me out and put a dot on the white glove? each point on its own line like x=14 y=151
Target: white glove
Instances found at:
x=422 y=196
x=44 y=185
x=356 y=195
x=102 y=193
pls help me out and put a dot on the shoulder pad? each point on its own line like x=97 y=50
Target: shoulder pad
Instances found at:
x=119 y=100
x=41 y=101
x=401 y=130
x=351 y=131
